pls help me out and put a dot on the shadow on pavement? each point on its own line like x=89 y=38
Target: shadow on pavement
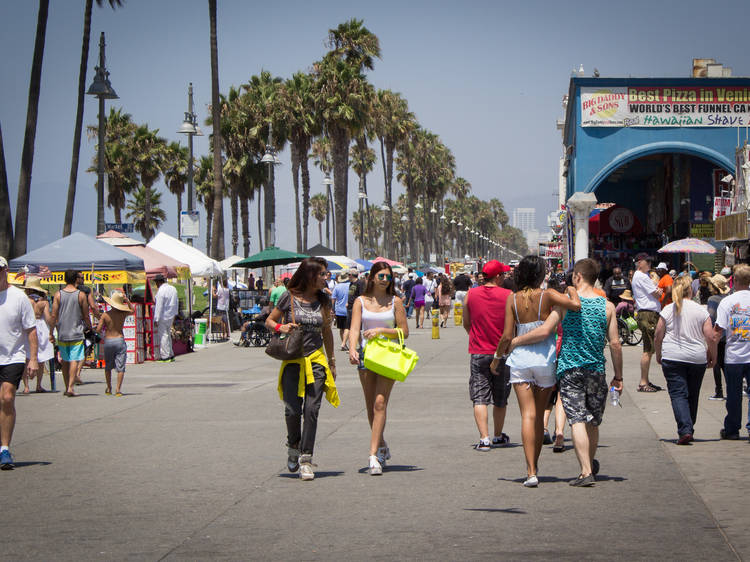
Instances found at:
x=323 y=474
x=514 y=510
x=31 y=463
x=394 y=468
x=599 y=478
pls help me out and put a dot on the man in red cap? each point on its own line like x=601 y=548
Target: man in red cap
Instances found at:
x=483 y=320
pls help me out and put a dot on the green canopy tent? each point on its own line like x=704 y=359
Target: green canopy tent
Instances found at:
x=270 y=256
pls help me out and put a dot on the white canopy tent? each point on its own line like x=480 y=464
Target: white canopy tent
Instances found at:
x=200 y=265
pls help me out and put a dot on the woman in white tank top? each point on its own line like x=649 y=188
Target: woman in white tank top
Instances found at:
x=379 y=312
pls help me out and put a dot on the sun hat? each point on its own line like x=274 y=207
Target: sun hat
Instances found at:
x=117 y=300
x=662 y=265
x=35 y=284
x=343 y=276
x=720 y=282
x=627 y=295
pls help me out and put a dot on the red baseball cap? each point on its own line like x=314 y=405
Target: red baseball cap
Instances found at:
x=493 y=268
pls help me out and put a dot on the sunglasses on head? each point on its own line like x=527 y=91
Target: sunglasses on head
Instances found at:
x=384 y=276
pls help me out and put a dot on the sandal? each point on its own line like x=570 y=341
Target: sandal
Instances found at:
x=559 y=445
x=655 y=387
x=646 y=388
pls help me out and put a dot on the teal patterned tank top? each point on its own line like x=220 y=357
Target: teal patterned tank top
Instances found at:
x=584 y=334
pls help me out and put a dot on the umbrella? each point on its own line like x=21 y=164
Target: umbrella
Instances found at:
x=270 y=256
x=688 y=246
x=386 y=260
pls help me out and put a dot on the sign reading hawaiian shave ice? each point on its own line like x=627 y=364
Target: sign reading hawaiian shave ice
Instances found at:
x=665 y=106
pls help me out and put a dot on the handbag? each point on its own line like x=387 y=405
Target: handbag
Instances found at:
x=286 y=346
x=390 y=358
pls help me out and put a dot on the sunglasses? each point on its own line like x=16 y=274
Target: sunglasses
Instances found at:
x=323 y=274
x=384 y=276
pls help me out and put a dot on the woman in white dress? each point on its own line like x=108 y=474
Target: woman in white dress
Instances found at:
x=46 y=351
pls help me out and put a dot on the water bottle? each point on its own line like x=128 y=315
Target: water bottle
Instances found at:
x=614 y=397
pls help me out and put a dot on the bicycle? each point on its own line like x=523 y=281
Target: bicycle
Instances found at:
x=629 y=331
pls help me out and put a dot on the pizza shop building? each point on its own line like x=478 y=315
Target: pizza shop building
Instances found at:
x=650 y=160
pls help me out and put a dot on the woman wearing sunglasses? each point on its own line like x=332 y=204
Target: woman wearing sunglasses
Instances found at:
x=378 y=312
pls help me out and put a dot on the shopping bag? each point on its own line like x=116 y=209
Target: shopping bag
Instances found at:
x=390 y=358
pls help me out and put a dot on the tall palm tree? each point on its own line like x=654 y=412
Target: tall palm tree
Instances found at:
x=27 y=155
x=149 y=151
x=319 y=209
x=176 y=174
x=6 y=220
x=363 y=162
x=393 y=123
x=145 y=211
x=343 y=92
x=321 y=154
x=68 y=222
x=298 y=107
x=216 y=250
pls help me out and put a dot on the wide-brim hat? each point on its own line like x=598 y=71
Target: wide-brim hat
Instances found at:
x=720 y=282
x=627 y=295
x=117 y=300
x=344 y=276
x=35 y=284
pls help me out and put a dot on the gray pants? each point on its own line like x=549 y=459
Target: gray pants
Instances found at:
x=295 y=407
x=164 y=339
x=115 y=354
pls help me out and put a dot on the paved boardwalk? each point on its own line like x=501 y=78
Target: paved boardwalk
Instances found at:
x=190 y=465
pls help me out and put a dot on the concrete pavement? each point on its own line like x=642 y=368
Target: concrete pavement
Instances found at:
x=190 y=464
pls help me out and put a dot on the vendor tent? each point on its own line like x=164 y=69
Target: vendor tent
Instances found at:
x=82 y=252
x=157 y=263
x=119 y=239
x=320 y=250
x=227 y=264
x=200 y=264
x=364 y=263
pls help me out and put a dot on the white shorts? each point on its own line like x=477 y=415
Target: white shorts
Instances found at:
x=460 y=296
x=543 y=376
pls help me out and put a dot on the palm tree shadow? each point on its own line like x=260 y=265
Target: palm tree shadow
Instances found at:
x=322 y=474
x=394 y=468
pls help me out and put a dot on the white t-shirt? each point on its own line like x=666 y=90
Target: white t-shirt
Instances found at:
x=733 y=315
x=222 y=298
x=167 y=304
x=643 y=289
x=684 y=340
x=16 y=316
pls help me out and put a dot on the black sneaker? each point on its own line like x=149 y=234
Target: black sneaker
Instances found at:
x=595 y=467
x=717 y=396
x=483 y=445
x=729 y=436
x=547 y=440
x=500 y=441
x=583 y=481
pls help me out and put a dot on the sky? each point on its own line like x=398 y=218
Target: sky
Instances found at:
x=487 y=76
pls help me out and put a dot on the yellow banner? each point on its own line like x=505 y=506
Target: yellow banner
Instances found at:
x=103 y=277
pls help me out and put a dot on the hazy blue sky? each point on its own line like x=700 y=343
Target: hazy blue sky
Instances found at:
x=488 y=77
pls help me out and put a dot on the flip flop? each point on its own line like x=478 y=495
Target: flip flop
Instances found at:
x=40 y=390
x=646 y=388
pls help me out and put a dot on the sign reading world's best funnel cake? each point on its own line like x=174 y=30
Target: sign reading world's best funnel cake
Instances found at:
x=668 y=106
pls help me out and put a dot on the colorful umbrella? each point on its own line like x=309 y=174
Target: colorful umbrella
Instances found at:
x=270 y=256
x=688 y=246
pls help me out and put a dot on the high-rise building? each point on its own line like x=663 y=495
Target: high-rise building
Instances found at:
x=524 y=219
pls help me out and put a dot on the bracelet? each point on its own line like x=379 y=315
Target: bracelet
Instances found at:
x=278 y=328
x=496 y=357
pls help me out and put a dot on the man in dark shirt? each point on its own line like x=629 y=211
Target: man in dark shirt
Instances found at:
x=406 y=288
x=356 y=288
x=616 y=286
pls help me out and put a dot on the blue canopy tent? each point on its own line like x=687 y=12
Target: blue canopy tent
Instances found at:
x=364 y=263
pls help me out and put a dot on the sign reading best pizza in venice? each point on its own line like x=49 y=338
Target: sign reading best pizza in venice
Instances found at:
x=673 y=106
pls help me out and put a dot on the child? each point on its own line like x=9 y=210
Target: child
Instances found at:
x=115 y=349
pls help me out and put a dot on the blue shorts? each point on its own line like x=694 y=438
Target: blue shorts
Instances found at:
x=72 y=350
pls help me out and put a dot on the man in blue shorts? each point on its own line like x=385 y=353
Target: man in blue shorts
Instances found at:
x=17 y=341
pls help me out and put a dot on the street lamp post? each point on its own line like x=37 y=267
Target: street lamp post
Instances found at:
x=190 y=128
x=102 y=89
x=327 y=182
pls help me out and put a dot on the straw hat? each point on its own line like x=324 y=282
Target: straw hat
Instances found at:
x=343 y=276
x=117 y=300
x=627 y=295
x=720 y=282
x=35 y=284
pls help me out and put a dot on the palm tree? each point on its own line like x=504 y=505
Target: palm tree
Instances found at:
x=216 y=250
x=343 y=93
x=6 y=220
x=68 y=222
x=145 y=211
x=321 y=154
x=363 y=162
x=175 y=174
x=149 y=151
x=204 y=190
x=393 y=123
x=27 y=155
x=233 y=124
x=319 y=209
x=298 y=104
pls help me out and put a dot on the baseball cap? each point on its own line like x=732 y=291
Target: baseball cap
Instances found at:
x=493 y=268
x=662 y=265
x=643 y=256
x=725 y=270
x=411 y=276
x=3 y=262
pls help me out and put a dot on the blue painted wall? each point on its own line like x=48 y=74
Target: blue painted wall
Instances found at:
x=598 y=151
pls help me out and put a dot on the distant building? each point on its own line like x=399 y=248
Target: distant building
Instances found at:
x=524 y=219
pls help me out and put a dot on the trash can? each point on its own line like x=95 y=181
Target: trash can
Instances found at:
x=199 y=339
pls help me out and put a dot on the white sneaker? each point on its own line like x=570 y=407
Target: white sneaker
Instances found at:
x=383 y=454
x=376 y=468
x=306 y=467
x=531 y=482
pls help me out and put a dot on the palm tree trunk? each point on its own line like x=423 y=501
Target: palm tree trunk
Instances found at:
x=147 y=204
x=340 y=141
x=259 y=189
x=209 y=220
x=68 y=222
x=179 y=213
x=388 y=224
x=320 y=231
x=295 y=183
x=304 y=147
x=234 y=208
x=6 y=221
x=27 y=156
x=329 y=216
x=118 y=215
x=217 y=235
x=245 y=217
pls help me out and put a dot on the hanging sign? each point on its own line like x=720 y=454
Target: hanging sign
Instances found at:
x=621 y=220
x=189 y=224
x=665 y=106
x=722 y=206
